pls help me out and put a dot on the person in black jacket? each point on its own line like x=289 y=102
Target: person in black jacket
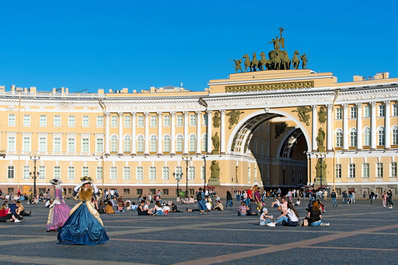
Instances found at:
x=229 y=200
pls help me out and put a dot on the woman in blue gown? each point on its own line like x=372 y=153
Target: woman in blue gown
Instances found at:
x=84 y=225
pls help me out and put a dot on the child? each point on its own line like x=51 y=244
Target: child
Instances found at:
x=265 y=219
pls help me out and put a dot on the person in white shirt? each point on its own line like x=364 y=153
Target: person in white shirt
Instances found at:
x=288 y=217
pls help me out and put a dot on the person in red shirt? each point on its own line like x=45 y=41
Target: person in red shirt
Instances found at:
x=6 y=215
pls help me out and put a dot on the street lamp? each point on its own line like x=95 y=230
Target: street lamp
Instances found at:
x=204 y=177
x=186 y=159
x=320 y=157
x=35 y=173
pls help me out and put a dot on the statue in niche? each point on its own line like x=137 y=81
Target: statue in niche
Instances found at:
x=216 y=120
x=321 y=169
x=233 y=117
x=280 y=129
x=322 y=114
x=302 y=114
x=215 y=172
x=216 y=142
x=320 y=140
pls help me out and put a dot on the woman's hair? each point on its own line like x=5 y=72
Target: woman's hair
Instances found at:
x=4 y=206
x=290 y=206
x=158 y=204
x=127 y=204
x=243 y=203
x=110 y=203
x=315 y=205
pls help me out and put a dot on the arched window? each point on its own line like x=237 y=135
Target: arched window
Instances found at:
x=204 y=142
x=180 y=143
x=366 y=136
x=166 y=143
x=127 y=143
x=353 y=137
x=395 y=135
x=114 y=143
x=339 y=138
x=381 y=136
x=192 y=143
x=153 y=144
x=140 y=143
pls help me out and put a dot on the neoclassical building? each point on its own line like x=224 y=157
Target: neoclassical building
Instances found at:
x=279 y=128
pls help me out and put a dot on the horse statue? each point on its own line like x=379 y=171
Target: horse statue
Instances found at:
x=247 y=62
x=264 y=63
x=254 y=63
x=285 y=61
x=275 y=60
x=296 y=60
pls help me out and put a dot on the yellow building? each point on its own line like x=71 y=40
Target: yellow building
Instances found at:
x=281 y=128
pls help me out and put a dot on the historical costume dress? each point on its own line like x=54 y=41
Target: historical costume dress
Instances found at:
x=84 y=225
x=59 y=211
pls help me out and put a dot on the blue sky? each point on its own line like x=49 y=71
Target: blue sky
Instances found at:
x=139 y=44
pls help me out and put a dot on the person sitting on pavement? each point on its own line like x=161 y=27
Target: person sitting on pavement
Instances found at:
x=101 y=206
x=219 y=206
x=22 y=209
x=208 y=204
x=109 y=208
x=275 y=203
x=174 y=208
x=6 y=215
x=15 y=210
x=265 y=219
x=253 y=210
x=143 y=209
x=298 y=202
x=242 y=210
x=289 y=217
x=158 y=209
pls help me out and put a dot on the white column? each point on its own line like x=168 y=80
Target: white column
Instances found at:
x=222 y=131
x=107 y=114
x=186 y=138
x=209 y=131
x=329 y=128
x=146 y=149
x=133 y=133
x=160 y=133
x=173 y=132
x=120 y=149
x=345 y=127
x=373 y=126
x=387 y=130
x=359 y=126
x=314 y=128
x=198 y=130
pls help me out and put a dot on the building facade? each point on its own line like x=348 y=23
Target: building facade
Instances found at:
x=281 y=128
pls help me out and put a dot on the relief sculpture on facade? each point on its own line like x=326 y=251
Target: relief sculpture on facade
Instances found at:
x=302 y=114
x=322 y=114
x=216 y=119
x=233 y=117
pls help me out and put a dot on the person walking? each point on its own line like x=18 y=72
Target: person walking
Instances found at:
x=200 y=197
x=389 y=199
x=333 y=195
x=229 y=200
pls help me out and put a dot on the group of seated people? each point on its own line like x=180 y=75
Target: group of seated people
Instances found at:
x=158 y=209
x=12 y=212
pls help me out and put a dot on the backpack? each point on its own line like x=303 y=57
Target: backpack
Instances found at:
x=199 y=196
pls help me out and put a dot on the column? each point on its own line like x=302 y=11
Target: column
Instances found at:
x=387 y=129
x=373 y=126
x=314 y=128
x=198 y=130
x=359 y=126
x=107 y=114
x=173 y=132
x=209 y=131
x=345 y=127
x=160 y=133
x=222 y=132
x=146 y=148
x=186 y=132
x=120 y=148
x=133 y=133
x=329 y=128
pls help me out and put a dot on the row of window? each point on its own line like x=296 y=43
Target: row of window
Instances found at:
x=100 y=120
x=367 y=111
x=381 y=136
x=366 y=170
x=113 y=172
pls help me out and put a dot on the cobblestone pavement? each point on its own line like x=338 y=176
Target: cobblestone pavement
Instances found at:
x=360 y=233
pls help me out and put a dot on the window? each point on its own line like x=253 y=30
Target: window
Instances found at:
x=180 y=143
x=152 y=191
x=353 y=137
x=140 y=173
x=140 y=121
x=126 y=173
x=353 y=112
x=351 y=171
x=191 y=173
x=382 y=111
x=339 y=138
x=127 y=121
x=43 y=121
x=166 y=143
x=366 y=111
x=366 y=136
x=26 y=120
x=140 y=143
x=381 y=138
x=71 y=144
x=179 y=120
x=85 y=122
x=153 y=144
x=42 y=172
x=71 y=173
x=11 y=120
x=113 y=173
x=85 y=171
x=42 y=144
x=10 y=172
x=165 y=191
x=71 y=121
x=127 y=143
x=152 y=119
x=165 y=173
x=99 y=173
x=85 y=145
x=393 y=170
x=113 y=121
x=192 y=120
x=339 y=114
x=395 y=110
x=379 y=170
x=126 y=191
x=57 y=121
x=152 y=173
x=365 y=170
x=57 y=144
x=99 y=145
x=139 y=191
x=395 y=135
x=114 y=143
x=100 y=121
x=204 y=142
x=192 y=143
x=26 y=171
x=26 y=145
x=179 y=173
x=57 y=172
x=166 y=121
x=338 y=171
x=11 y=145
x=205 y=121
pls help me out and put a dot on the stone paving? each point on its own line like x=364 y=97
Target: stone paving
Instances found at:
x=360 y=233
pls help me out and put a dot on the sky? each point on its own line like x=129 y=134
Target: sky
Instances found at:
x=86 y=45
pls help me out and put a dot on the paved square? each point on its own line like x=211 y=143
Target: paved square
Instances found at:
x=361 y=233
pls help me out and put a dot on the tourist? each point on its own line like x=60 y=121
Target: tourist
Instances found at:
x=345 y=197
x=15 y=210
x=200 y=196
x=289 y=217
x=389 y=199
x=384 y=197
x=229 y=200
x=265 y=219
x=174 y=208
x=371 y=196
x=59 y=210
x=314 y=215
x=219 y=206
x=242 y=210
x=109 y=208
x=158 y=209
x=6 y=215
x=141 y=209
x=275 y=203
x=253 y=208
x=298 y=202
x=333 y=195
